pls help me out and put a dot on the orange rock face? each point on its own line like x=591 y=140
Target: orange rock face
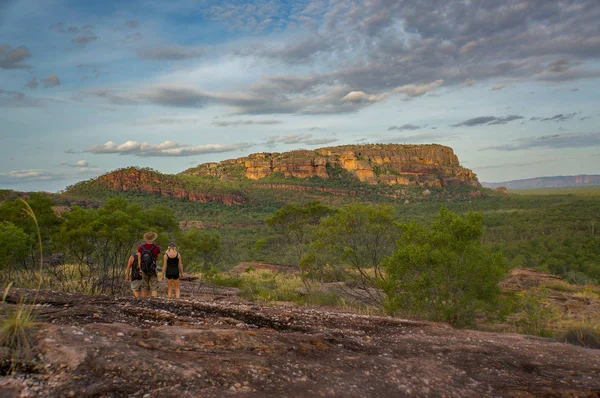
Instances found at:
x=150 y=182
x=417 y=165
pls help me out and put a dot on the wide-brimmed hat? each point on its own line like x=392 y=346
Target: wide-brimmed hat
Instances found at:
x=150 y=237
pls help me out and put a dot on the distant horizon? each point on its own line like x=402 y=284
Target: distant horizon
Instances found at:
x=88 y=87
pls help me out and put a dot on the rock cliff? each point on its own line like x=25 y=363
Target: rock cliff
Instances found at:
x=410 y=165
x=151 y=182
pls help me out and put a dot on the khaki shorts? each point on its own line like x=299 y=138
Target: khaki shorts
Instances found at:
x=136 y=285
x=149 y=283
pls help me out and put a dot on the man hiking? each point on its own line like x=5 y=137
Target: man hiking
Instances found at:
x=147 y=255
x=133 y=274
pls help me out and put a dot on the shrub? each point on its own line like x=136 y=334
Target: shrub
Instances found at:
x=583 y=335
x=16 y=332
x=442 y=272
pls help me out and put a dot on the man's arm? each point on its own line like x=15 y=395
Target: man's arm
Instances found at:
x=128 y=269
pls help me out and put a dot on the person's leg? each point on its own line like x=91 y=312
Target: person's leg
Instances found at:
x=169 y=287
x=176 y=282
x=153 y=282
x=136 y=287
x=145 y=285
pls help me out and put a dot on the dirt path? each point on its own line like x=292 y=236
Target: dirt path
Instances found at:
x=103 y=346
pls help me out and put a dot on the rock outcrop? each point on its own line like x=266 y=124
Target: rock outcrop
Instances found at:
x=411 y=165
x=101 y=346
x=151 y=182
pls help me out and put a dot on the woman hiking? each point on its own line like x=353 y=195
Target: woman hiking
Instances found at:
x=172 y=270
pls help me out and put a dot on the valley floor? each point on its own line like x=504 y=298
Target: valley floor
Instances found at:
x=217 y=345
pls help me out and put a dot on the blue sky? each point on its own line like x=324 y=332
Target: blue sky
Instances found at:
x=513 y=86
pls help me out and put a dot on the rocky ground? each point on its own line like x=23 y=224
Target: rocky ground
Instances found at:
x=213 y=344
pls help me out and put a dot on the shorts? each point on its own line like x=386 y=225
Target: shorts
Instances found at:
x=136 y=285
x=149 y=283
x=172 y=274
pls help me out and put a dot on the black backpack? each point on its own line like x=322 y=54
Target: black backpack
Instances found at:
x=147 y=261
x=135 y=269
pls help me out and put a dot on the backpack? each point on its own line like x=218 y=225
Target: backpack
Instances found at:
x=135 y=269
x=147 y=261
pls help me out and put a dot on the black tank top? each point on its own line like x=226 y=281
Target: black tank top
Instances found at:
x=173 y=263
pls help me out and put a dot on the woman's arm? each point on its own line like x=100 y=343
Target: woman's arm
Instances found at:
x=181 y=274
x=164 y=267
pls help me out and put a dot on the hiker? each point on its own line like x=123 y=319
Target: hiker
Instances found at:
x=147 y=256
x=172 y=270
x=133 y=275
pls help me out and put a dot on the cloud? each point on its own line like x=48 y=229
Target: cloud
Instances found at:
x=164 y=149
x=404 y=127
x=163 y=121
x=221 y=123
x=360 y=96
x=132 y=23
x=412 y=90
x=555 y=141
x=305 y=139
x=77 y=164
x=51 y=81
x=12 y=58
x=468 y=83
x=31 y=84
x=560 y=117
x=172 y=53
x=83 y=41
x=423 y=138
x=498 y=87
x=487 y=121
x=23 y=176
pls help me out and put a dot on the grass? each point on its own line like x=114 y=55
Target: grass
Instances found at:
x=584 y=334
x=16 y=332
x=579 y=191
x=562 y=287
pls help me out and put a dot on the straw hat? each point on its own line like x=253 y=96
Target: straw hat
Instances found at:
x=150 y=237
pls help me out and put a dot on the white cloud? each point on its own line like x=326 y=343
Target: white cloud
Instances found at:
x=164 y=149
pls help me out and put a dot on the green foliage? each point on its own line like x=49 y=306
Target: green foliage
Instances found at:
x=357 y=237
x=200 y=249
x=16 y=213
x=442 y=272
x=583 y=335
x=297 y=223
x=100 y=241
x=16 y=332
x=532 y=313
x=14 y=247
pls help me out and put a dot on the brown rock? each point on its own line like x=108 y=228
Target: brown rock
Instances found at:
x=426 y=165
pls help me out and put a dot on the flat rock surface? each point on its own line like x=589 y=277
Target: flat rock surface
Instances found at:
x=101 y=346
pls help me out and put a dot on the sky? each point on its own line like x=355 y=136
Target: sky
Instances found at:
x=86 y=87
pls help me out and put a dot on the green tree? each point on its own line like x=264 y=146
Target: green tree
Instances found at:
x=199 y=248
x=100 y=241
x=14 y=246
x=358 y=238
x=49 y=223
x=297 y=223
x=442 y=271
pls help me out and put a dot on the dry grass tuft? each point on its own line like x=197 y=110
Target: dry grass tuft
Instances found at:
x=16 y=332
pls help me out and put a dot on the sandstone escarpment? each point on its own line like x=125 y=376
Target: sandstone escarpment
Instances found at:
x=410 y=165
x=150 y=182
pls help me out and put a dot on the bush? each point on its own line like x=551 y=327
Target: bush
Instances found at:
x=442 y=272
x=16 y=332
x=583 y=335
